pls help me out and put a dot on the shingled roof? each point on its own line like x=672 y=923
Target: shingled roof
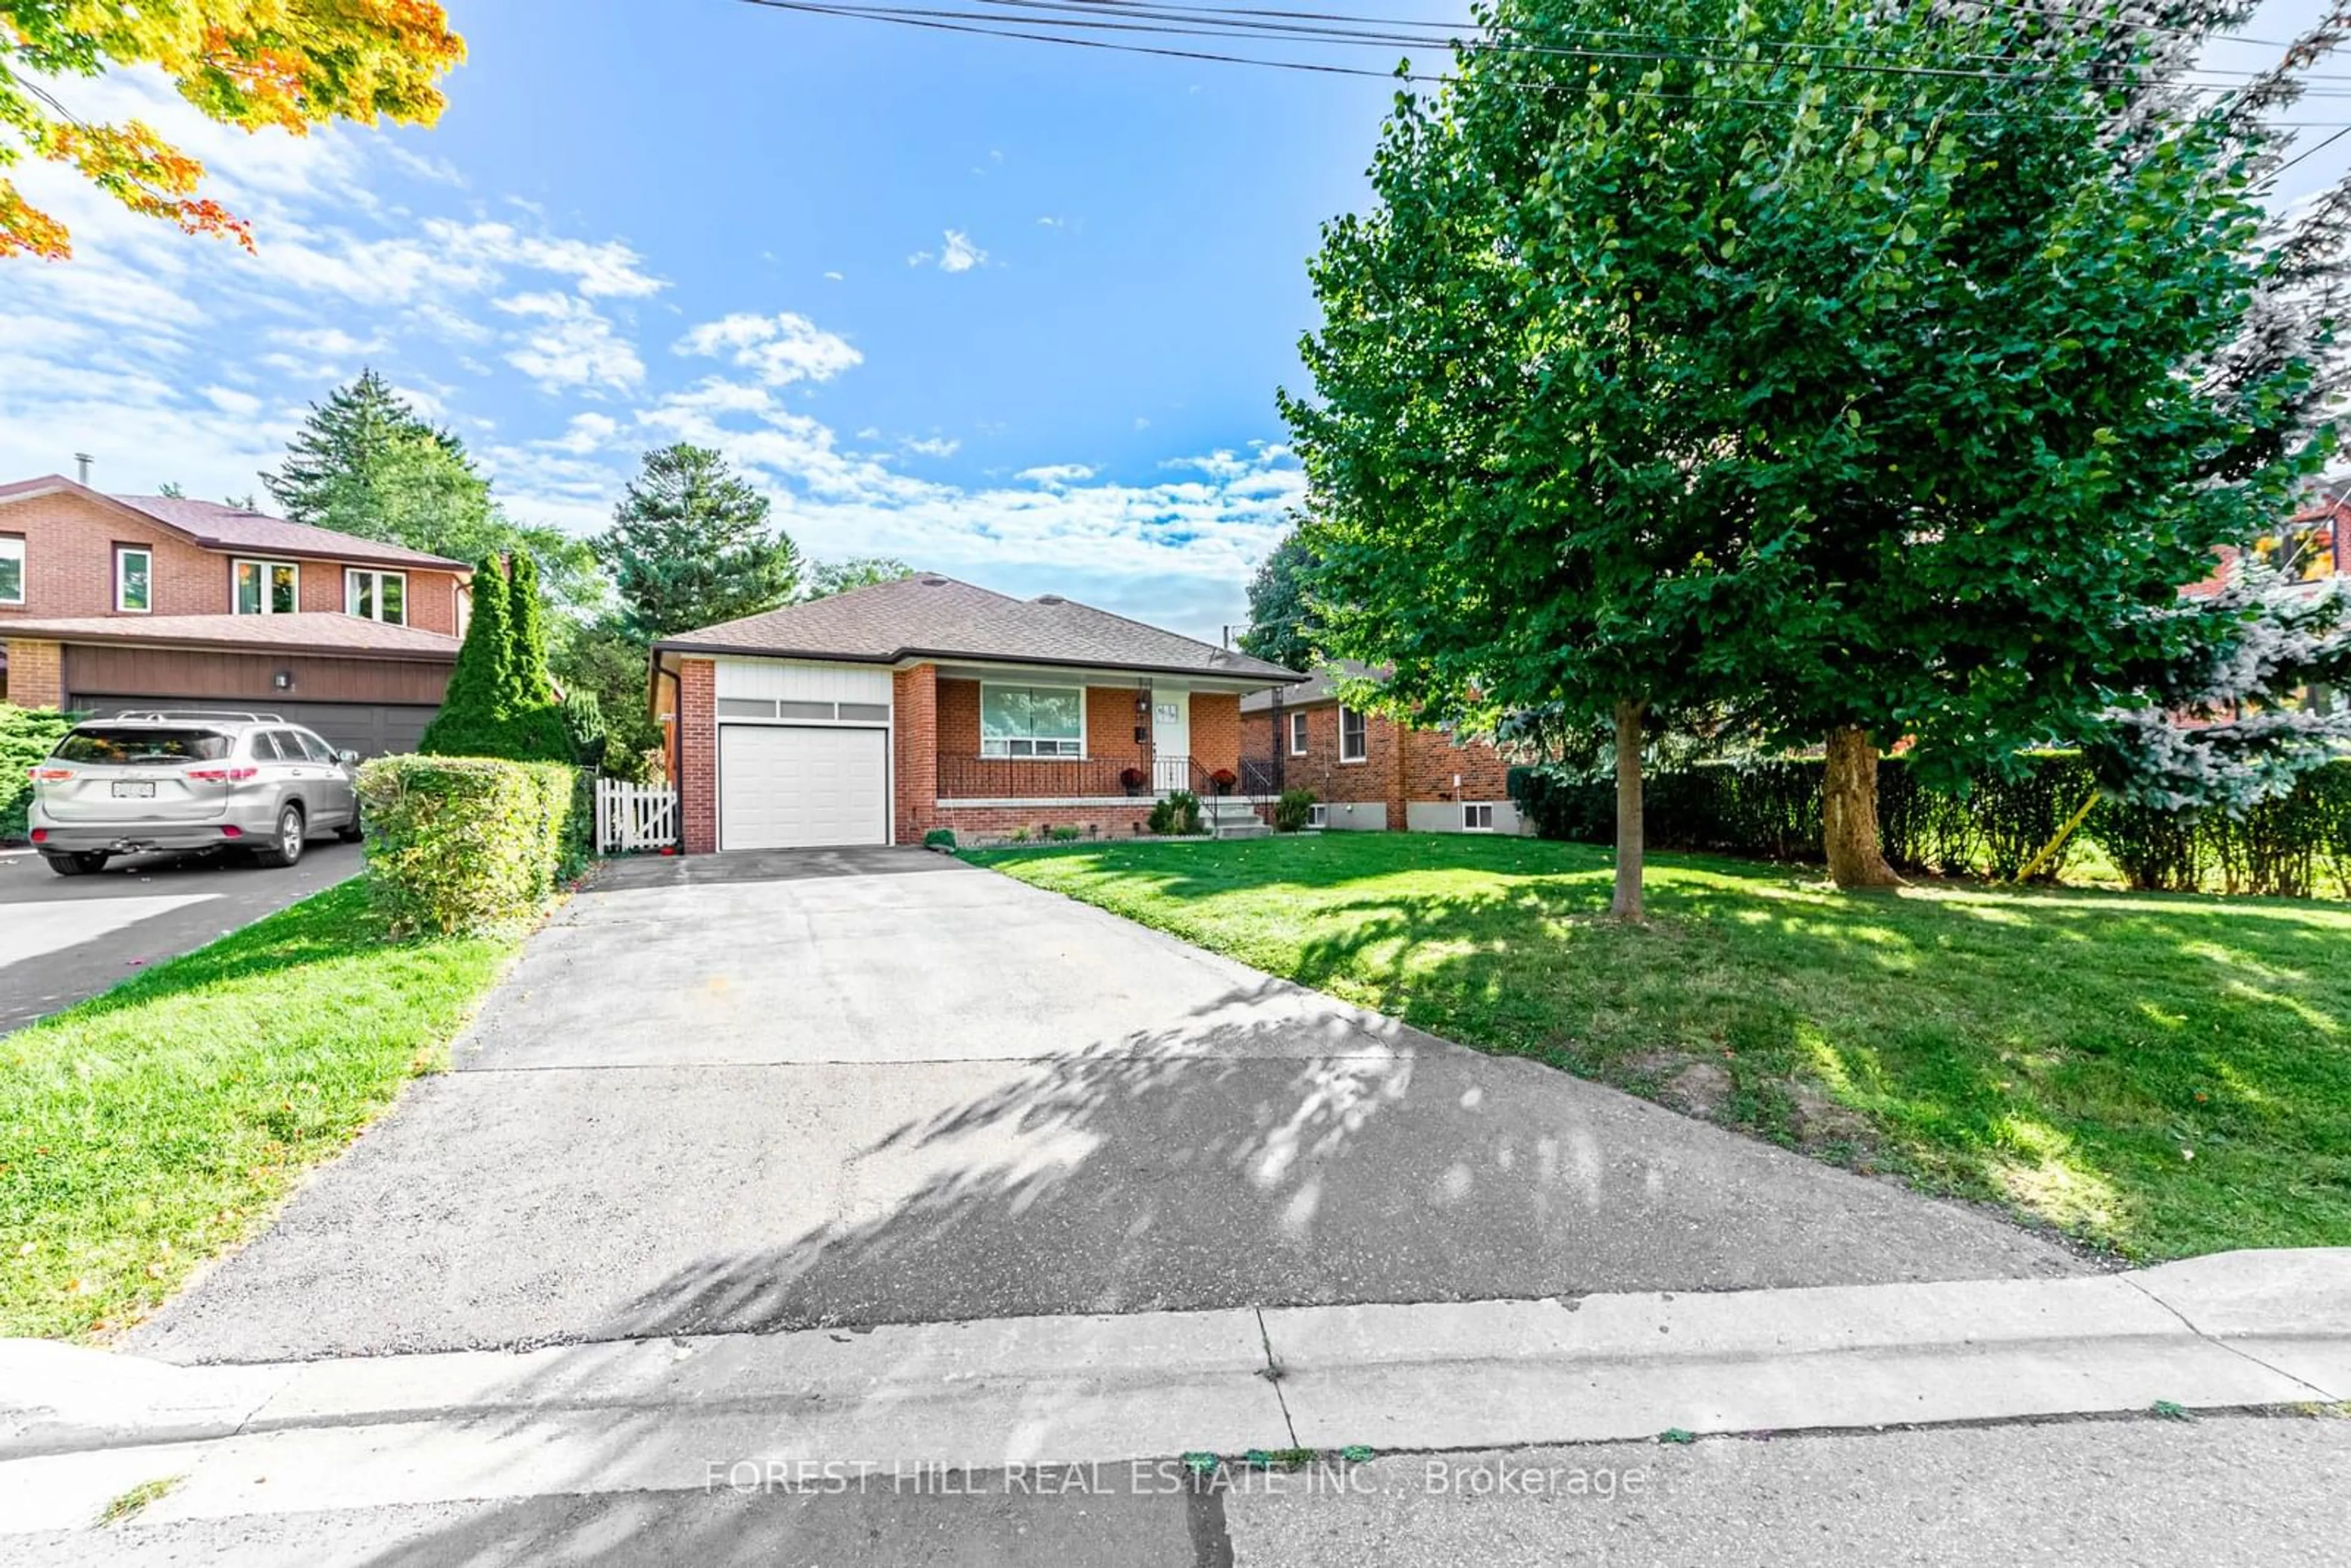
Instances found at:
x=933 y=617
x=311 y=631
x=216 y=526
x=1321 y=686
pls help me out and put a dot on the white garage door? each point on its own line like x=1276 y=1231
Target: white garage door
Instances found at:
x=781 y=787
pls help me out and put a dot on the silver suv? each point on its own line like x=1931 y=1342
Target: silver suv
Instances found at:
x=188 y=778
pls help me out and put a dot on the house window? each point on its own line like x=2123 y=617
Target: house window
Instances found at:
x=376 y=595
x=134 y=579
x=1318 y=816
x=1476 y=816
x=267 y=587
x=2304 y=553
x=1353 y=746
x=1032 y=721
x=1298 y=735
x=12 y=570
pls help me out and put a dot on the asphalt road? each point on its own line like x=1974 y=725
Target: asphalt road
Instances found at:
x=63 y=938
x=748 y=1093
x=2088 y=1494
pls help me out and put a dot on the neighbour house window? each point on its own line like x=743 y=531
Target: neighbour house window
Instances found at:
x=1318 y=816
x=1353 y=746
x=267 y=587
x=1032 y=721
x=12 y=570
x=1298 y=735
x=376 y=595
x=134 y=579
x=2305 y=551
x=1478 y=818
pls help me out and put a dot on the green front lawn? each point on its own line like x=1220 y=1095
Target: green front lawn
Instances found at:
x=153 y=1127
x=2161 y=1074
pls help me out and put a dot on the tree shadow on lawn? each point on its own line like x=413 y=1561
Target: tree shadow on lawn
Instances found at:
x=2159 y=1073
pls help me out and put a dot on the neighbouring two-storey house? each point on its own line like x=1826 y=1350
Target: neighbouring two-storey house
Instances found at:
x=876 y=716
x=115 y=603
x=1366 y=769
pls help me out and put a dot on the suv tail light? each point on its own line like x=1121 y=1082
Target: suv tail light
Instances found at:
x=223 y=775
x=47 y=775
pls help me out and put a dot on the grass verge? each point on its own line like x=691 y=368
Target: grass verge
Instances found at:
x=2157 y=1074
x=152 y=1127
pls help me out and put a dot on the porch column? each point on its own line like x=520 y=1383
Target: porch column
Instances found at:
x=697 y=754
x=915 y=751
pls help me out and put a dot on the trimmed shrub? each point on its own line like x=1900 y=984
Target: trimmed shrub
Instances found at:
x=1291 y=811
x=461 y=843
x=1178 y=813
x=939 y=839
x=2294 y=846
x=26 y=734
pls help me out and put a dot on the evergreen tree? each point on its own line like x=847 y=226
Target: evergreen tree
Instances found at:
x=527 y=634
x=828 y=577
x=479 y=700
x=500 y=700
x=334 y=457
x=691 y=545
x=1282 y=626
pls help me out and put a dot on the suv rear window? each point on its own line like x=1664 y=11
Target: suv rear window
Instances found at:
x=121 y=745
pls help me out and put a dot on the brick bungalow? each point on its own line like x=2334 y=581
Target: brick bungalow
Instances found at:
x=1368 y=771
x=109 y=602
x=875 y=716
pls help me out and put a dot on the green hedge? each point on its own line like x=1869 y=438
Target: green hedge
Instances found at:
x=2296 y=846
x=464 y=843
x=26 y=734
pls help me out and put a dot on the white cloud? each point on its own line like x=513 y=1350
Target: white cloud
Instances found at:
x=1055 y=475
x=934 y=447
x=573 y=346
x=960 y=255
x=1052 y=223
x=332 y=343
x=780 y=349
x=832 y=278
x=599 y=269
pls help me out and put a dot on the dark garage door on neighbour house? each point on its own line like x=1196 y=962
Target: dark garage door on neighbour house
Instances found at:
x=371 y=729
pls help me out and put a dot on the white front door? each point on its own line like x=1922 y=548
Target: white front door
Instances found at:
x=1171 y=741
x=781 y=787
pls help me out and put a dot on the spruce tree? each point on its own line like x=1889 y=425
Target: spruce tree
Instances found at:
x=340 y=442
x=691 y=545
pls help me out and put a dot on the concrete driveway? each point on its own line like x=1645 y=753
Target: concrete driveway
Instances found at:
x=63 y=938
x=842 y=1088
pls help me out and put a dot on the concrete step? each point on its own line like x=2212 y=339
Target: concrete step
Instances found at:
x=1252 y=829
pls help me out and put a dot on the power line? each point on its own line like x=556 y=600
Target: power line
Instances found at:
x=2318 y=147
x=1253 y=23
x=993 y=26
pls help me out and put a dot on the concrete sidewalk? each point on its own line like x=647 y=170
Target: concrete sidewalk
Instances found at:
x=696 y=1415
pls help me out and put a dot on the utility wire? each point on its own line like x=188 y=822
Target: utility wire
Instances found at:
x=1243 y=23
x=2315 y=147
x=993 y=26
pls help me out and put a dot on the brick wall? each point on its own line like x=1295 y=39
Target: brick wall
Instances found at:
x=914 y=747
x=1216 y=730
x=1431 y=762
x=1401 y=765
x=1106 y=822
x=70 y=568
x=36 y=673
x=697 y=688
x=1111 y=723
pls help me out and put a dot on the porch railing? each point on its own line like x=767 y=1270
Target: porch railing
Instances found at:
x=1170 y=772
x=1030 y=778
x=1260 y=776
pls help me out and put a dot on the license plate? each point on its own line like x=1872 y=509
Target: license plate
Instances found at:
x=134 y=790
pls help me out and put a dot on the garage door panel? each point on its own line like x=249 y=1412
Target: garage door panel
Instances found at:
x=371 y=729
x=786 y=786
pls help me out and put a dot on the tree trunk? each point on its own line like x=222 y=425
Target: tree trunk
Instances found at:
x=1849 y=811
x=1626 y=905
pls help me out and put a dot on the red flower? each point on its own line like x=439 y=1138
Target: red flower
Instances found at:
x=1224 y=777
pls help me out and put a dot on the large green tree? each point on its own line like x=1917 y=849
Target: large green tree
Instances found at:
x=691 y=545
x=827 y=578
x=1697 y=370
x=1282 y=626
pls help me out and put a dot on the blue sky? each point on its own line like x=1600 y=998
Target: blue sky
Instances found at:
x=1010 y=311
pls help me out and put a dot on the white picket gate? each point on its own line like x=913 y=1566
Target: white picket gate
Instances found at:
x=634 y=817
